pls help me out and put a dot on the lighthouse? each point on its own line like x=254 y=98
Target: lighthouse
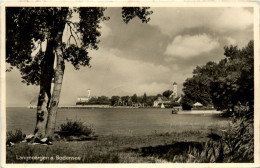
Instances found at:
x=174 y=94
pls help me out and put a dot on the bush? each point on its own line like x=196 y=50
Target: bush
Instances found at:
x=76 y=128
x=17 y=136
x=234 y=145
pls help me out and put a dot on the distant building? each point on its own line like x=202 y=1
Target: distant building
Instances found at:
x=174 y=91
x=199 y=106
x=160 y=101
x=84 y=99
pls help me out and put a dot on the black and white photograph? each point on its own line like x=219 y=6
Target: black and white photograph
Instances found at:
x=120 y=82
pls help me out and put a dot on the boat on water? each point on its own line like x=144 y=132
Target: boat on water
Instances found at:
x=162 y=106
x=175 y=111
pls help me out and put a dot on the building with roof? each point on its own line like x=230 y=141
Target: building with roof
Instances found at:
x=197 y=104
x=84 y=99
x=160 y=101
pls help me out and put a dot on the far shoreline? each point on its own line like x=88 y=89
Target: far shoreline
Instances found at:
x=195 y=111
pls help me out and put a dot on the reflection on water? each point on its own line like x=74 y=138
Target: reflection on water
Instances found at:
x=118 y=121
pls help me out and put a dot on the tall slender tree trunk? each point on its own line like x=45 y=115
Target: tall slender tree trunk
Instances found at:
x=41 y=115
x=58 y=77
x=45 y=91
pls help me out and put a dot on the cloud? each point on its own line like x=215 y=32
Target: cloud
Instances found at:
x=233 y=19
x=230 y=41
x=111 y=74
x=137 y=58
x=105 y=30
x=189 y=46
x=18 y=93
x=175 y=20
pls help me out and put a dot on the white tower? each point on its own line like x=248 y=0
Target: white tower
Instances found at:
x=89 y=93
x=174 y=94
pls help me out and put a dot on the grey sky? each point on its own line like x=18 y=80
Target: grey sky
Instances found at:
x=137 y=58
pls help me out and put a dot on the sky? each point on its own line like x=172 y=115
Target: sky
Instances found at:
x=138 y=58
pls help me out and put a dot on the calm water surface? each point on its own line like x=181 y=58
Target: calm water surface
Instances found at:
x=118 y=121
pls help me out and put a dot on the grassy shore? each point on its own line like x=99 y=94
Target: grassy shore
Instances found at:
x=153 y=148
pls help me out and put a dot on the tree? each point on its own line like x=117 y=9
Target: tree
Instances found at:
x=144 y=99
x=225 y=84
x=134 y=98
x=125 y=100
x=197 y=88
x=26 y=30
x=114 y=100
x=167 y=93
x=150 y=100
x=103 y=100
x=235 y=82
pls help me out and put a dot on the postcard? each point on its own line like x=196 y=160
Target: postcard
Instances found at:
x=120 y=84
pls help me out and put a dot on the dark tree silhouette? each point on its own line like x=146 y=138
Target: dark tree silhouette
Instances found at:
x=26 y=30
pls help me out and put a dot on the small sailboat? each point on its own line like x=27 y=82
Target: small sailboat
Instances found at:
x=162 y=106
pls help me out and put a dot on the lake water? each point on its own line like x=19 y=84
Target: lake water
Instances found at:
x=118 y=121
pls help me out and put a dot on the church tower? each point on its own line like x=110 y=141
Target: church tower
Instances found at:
x=174 y=94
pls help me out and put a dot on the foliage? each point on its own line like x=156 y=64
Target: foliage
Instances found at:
x=114 y=100
x=144 y=99
x=27 y=30
x=76 y=128
x=126 y=101
x=150 y=100
x=197 y=89
x=223 y=84
x=235 y=83
x=167 y=93
x=28 y=27
x=230 y=86
x=128 y=13
x=17 y=136
x=236 y=144
x=134 y=98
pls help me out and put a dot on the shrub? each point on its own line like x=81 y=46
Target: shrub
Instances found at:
x=76 y=128
x=14 y=137
x=234 y=145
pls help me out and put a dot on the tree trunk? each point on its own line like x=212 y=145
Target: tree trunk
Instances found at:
x=45 y=91
x=41 y=114
x=47 y=103
x=58 y=77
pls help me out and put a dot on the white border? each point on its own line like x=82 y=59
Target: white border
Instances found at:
x=140 y=3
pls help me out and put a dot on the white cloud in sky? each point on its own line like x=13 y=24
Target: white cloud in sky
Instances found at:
x=230 y=41
x=113 y=75
x=169 y=43
x=105 y=30
x=233 y=19
x=217 y=19
x=133 y=74
x=189 y=46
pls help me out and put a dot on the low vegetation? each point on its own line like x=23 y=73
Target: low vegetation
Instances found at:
x=236 y=144
x=75 y=130
x=14 y=137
